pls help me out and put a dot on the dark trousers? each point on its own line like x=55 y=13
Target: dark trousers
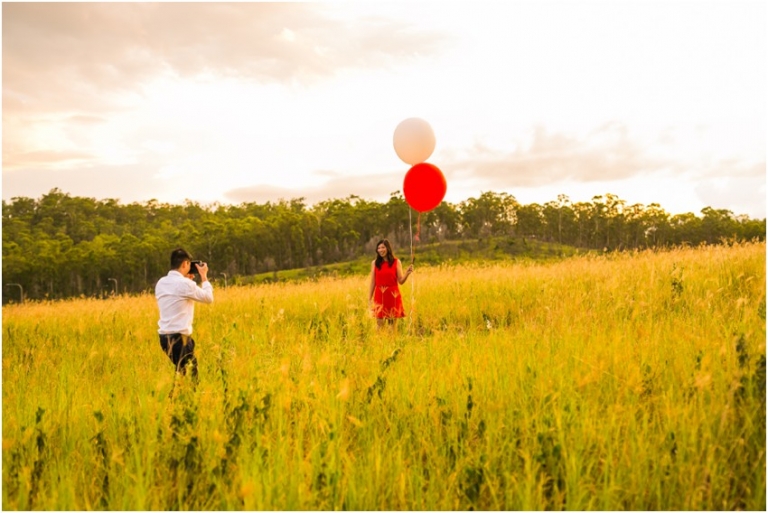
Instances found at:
x=181 y=350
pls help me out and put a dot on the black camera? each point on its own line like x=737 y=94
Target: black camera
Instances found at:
x=193 y=266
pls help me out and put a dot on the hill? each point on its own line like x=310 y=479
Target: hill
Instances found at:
x=488 y=250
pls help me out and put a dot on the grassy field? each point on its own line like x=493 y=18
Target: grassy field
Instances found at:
x=624 y=381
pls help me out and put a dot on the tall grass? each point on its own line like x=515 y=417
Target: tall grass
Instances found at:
x=625 y=381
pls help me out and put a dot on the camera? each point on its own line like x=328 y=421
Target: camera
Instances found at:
x=193 y=266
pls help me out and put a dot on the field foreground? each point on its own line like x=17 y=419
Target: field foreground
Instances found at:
x=626 y=381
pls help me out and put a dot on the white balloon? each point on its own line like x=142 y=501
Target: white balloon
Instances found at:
x=414 y=141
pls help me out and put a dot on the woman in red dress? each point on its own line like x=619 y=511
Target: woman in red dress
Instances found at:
x=384 y=293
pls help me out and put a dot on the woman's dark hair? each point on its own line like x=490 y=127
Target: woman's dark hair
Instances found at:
x=178 y=256
x=390 y=255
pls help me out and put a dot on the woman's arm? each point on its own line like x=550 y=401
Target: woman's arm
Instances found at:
x=373 y=281
x=401 y=278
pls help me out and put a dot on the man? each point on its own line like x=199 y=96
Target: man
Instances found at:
x=176 y=294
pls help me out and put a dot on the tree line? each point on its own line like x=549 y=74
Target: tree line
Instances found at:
x=61 y=246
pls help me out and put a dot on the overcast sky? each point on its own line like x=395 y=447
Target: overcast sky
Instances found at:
x=652 y=101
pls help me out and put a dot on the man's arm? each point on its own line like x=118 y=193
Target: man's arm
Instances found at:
x=203 y=293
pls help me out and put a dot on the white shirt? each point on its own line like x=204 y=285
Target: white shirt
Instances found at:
x=176 y=294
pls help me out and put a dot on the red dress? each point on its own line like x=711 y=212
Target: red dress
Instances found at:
x=388 y=303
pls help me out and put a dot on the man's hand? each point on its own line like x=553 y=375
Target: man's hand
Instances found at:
x=202 y=268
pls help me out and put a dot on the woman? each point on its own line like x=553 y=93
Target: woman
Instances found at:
x=384 y=293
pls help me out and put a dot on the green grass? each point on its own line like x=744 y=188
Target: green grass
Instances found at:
x=622 y=381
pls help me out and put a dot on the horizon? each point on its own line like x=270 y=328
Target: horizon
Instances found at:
x=257 y=102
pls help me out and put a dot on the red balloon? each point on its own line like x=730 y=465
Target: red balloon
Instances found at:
x=424 y=187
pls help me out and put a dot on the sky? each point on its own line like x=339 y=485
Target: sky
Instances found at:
x=655 y=102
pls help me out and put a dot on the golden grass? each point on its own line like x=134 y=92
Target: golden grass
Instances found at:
x=624 y=381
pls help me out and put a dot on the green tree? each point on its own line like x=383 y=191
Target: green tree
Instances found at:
x=59 y=245
x=490 y=214
x=531 y=221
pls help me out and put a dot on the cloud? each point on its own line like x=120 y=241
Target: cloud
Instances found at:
x=76 y=65
x=733 y=168
x=739 y=194
x=132 y=182
x=605 y=154
x=377 y=187
x=83 y=56
x=12 y=160
x=86 y=120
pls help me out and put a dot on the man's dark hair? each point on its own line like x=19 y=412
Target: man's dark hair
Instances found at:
x=178 y=256
x=390 y=256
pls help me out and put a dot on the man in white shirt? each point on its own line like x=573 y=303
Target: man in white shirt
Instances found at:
x=176 y=294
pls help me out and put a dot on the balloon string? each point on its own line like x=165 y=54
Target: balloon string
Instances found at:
x=413 y=259
x=410 y=231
